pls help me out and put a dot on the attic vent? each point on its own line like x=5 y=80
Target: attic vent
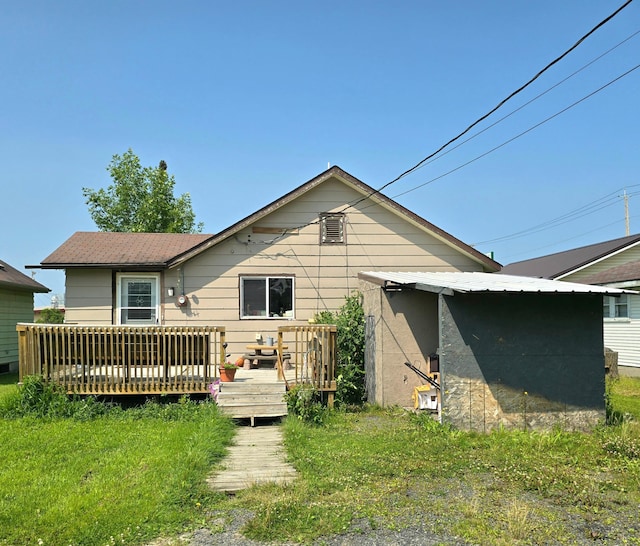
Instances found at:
x=332 y=228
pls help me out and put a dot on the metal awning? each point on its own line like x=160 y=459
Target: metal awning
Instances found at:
x=448 y=283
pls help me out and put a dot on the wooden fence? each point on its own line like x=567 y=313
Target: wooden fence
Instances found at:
x=122 y=359
x=311 y=352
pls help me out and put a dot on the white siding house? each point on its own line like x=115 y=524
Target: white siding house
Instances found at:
x=615 y=264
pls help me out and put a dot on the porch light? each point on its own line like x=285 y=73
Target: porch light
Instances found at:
x=170 y=291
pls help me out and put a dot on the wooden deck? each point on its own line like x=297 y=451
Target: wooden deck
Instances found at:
x=122 y=359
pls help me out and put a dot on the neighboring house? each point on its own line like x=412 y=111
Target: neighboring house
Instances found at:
x=614 y=263
x=16 y=305
x=299 y=255
x=512 y=352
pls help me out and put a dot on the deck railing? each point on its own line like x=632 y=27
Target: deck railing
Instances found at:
x=311 y=351
x=122 y=359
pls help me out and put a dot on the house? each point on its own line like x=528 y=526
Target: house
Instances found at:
x=493 y=350
x=281 y=265
x=16 y=305
x=614 y=263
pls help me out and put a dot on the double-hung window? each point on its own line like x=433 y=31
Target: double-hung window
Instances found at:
x=616 y=306
x=266 y=297
x=137 y=297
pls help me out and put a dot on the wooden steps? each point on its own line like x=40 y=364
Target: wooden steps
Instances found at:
x=251 y=398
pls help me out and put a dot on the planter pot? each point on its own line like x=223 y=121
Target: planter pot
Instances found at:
x=227 y=375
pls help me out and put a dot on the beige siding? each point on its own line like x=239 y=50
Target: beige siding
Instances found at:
x=377 y=239
x=15 y=306
x=630 y=255
x=88 y=296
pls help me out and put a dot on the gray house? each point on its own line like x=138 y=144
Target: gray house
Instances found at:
x=16 y=305
x=614 y=263
x=509 y=351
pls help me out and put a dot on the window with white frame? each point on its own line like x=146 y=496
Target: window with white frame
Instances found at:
x=615 y=306
x=137 y=296
x=332 y=228
x=266 y=297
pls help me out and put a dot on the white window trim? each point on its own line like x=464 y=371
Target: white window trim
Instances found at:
x=266 y=278
x=119 y=277
x=612 y=302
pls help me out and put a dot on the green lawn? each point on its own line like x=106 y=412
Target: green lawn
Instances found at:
x=132 y=476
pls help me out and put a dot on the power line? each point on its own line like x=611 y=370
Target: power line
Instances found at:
x=572 y=105
x=500 y=104
x=585 y=210
x=540 y=95
x=485 y=116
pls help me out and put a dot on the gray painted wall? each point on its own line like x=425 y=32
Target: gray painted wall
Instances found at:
x=522 y=360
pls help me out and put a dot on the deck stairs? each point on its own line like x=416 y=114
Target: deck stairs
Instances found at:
x=253 y=394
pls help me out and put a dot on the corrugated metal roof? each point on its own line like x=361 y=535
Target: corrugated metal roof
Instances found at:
x=450 y=282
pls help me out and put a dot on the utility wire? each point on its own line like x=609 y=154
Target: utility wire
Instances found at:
x=594 y=206
x=558 y=84
x=500 y=104
x=572 y=105
x=482 y=118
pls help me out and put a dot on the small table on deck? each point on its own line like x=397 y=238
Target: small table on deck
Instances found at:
x=257 y=349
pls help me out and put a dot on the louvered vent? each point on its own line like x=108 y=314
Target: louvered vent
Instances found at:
x=332 y=229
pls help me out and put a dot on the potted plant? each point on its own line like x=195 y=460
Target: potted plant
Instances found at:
x=227 y=372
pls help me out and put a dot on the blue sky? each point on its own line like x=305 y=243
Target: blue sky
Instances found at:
x=247 y=100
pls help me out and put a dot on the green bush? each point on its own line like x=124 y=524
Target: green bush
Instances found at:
x=50 y=315
x=304 y=402
x=38 y=398
x=350 y=378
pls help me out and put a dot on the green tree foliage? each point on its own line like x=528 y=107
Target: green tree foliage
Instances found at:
x=140 y=200
x=50 y=315
x=349 y=320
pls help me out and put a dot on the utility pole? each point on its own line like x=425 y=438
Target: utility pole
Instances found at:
x=626 y=212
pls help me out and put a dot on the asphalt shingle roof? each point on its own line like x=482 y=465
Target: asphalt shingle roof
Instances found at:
x=14 y=279
x=555 y=265
x=107 y=249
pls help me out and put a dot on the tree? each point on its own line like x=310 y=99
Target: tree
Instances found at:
x=51 y=315
x=140 y=200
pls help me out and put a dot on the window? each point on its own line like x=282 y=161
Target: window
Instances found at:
x=137 y=299
x=266 y=297
x=332 y=228
x=616 y=307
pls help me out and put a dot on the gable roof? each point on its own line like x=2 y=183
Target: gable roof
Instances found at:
x=368 y=193
x=14 y=279
x=554 y=266
x=448 y=283
x=113 y=250
x=624 y=273
x=162 y=250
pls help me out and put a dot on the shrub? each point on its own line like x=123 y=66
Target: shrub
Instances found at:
x=304 y=402
x=349 y=320
x=51 y=315
x=38 y=398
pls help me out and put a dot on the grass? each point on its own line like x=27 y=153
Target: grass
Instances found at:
x=132 y=476
x=126 y=477
x=387 y=469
